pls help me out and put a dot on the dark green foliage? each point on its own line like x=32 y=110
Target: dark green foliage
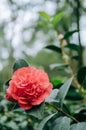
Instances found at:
x=70 y=33
x=73 y=47
x=81 y=115
x=79 y=126
x=75 y=57
x=74 y=94
x=37 y=112
x=19 y=64
x=11 y=119
x=53 y=48
x=62 y=123
x=64 y=90
x=6 y=85
x=81 y=75
x=44 y=121
x=53 y=96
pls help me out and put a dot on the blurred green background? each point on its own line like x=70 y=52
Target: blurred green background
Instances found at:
x=24 y=35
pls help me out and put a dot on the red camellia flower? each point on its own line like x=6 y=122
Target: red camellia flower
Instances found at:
x=29 y=87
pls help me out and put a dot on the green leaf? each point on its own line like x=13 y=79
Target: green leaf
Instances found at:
x=44 y=121
x=73 y=47
x=42 y=23
x=75 y=57
x=84 y=83
x=56 y=82
x=6 y=85
x=3 y=119
x=70 y=33
x=53 y=66
x=81 y=115
x=74 y=94
x=18 y=110
x=64 y=89
x=78 y=126
x=23 y=125
x=62 y=123
x=12 y=125
x=52 y=96
x=57 y=18
x=45 y=15
x=19 y=64
x=37 y=111
x=54 y=48
x=81 y=74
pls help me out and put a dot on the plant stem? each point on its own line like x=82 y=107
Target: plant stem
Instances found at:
x=66 y=114
x=78 y=27
x=66 y=61
x=76 y=11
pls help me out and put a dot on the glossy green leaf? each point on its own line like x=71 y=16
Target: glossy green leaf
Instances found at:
x=78 y=126
x=23 y=124
x=66 y=109
x=57 y=18
x=84 y=83
x=53 y=66
x=44 y=121
x=13 y=125
x=73 y=94
x=64 y=89
x=62 y=123
x=75 y=57
x=18 y=110
x=19 y=64
x=3 y=119
x=70 y=33
x=81 y=75
x=45 y=15
x=73 y=47
x=52 y=96
x=53 y=48
x=6 y=85
x=37 y=111
x=81 y=115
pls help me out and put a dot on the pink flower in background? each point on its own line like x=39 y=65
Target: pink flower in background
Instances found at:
x=29 y=87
